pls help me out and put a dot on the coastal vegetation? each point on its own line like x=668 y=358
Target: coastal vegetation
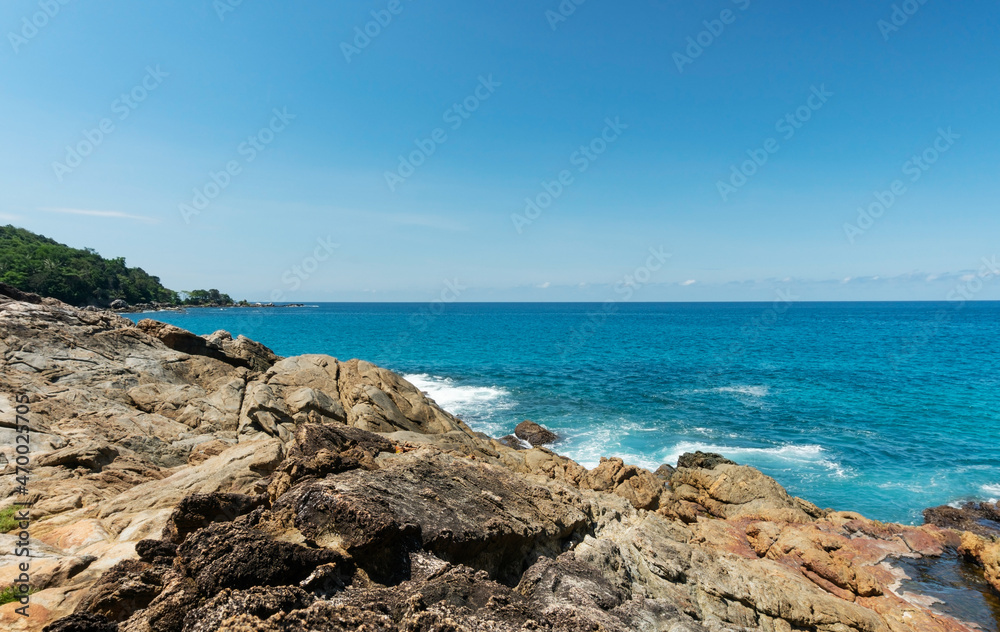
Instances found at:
x=34 y=263
x=7 y=522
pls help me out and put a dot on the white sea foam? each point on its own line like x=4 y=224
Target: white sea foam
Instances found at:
x=475 y=402
x=589 y=443
x=992 y=492
x=745 y=389
x=791 y=454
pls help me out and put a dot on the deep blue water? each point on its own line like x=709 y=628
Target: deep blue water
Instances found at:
x=882 y=408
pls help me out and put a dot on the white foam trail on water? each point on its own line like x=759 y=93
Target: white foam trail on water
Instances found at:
x=745 y=389
x=743 y=392
x=791 y=453
x=470 y=403
x=992 y=492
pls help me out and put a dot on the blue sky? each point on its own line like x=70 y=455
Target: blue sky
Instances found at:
x=326 y=114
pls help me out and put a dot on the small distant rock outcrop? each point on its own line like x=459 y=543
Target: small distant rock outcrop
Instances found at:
x=534 y=434
x=204 y=484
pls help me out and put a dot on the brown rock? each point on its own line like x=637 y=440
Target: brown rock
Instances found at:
x=979 y=518
x=985 y=552
x=534 y=434
x=640 y=487
x=312 y=494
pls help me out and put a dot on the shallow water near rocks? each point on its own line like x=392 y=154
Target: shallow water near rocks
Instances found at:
x=959 y=585
x=880 y=408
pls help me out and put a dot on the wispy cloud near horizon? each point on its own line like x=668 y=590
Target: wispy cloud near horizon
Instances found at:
x=95 y=213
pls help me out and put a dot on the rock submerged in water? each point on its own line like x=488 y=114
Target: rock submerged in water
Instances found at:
x=513 y=442
x=980 y=524
x=534 y=434
x=196 y=484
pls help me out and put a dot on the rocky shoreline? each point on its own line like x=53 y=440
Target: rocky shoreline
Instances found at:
x=181 y=483
x=163 y=307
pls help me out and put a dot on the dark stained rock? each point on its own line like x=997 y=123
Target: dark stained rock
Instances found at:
x=311 y=439
x=322 y=449
x=462 y=511
x=129 y=586
x=577 y=595
x=240 y=353
x=12 y=292
x=979 y=518
x=702 y=460
x=200 y=510
x=457 y=599
x=664 y=473
x=512 y=442
x=259 y=603
x=82 y=622
x=534 y=434
x=156 y=551
x=257 y=356
x=225 y=555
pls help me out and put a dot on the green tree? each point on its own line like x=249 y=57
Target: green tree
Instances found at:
x=33 y=263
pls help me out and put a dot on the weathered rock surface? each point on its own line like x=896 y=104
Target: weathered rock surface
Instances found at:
x=187 y=484
x=979 y=518
x=534 y=434
x=980 y=526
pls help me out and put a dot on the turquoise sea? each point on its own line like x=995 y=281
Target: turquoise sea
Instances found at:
x=882 y=408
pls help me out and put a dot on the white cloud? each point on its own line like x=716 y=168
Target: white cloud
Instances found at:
x=106 y=214
x=688 y=282
x=544 y=285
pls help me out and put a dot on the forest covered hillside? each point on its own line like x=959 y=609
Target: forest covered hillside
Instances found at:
x=34 y=263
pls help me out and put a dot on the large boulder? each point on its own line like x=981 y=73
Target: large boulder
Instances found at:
x=534 y=434
x=709 y=485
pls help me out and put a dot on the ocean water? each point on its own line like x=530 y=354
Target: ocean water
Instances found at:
x=882 y=408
